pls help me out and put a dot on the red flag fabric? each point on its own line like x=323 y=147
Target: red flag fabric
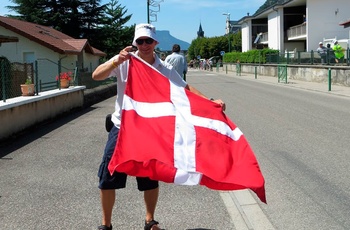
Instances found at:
x=170 y=134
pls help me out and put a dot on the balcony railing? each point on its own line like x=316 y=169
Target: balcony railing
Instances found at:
x=296 y=31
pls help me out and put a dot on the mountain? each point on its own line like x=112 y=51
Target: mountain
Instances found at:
x=166 y=41
x=268 y=4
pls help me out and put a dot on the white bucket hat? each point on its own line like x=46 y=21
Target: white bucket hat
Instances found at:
x=144 y=30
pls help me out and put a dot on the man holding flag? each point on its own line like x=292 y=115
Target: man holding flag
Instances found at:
x=119 y=66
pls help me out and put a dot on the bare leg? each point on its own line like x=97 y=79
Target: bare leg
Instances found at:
x=107 y=202
x=151 y=198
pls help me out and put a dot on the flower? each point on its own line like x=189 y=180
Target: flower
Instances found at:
x=64 y=75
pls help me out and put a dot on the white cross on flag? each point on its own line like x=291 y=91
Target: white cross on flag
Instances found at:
x=170 y=134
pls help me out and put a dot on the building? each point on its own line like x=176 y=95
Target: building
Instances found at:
x=26 y=42
x=200 y=32
x=295 y=25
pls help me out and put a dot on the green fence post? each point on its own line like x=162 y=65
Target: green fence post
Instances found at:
x=329 y=79
x=59 y=72
x=36 y=82
x=285 y=69
x=282 y=73
x=255 y=72
x=2 y=68
x=226 y=68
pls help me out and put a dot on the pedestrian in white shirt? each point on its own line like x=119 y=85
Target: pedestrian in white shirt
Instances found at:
x=178 y=61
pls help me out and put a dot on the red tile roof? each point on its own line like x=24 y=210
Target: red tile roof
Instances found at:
x=49 y=37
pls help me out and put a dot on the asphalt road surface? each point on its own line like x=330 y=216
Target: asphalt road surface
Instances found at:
x=301 y=140
x=48 y=176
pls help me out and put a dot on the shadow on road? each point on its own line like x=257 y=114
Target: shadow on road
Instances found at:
x=37 y=131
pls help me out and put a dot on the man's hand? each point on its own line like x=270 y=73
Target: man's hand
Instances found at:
x=124 y=55
x=220 y=102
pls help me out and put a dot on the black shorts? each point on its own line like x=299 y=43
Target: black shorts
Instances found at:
x=118 y=180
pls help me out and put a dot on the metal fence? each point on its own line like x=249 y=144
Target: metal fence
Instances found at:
x=13 y=74
x=306 y=58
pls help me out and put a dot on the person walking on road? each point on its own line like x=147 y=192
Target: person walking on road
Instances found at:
x=177 y=60
x=145 y=40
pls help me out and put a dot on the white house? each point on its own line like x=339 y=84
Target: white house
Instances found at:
x=27 y=42
x=283 y=27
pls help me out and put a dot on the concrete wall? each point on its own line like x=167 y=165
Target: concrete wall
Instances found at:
x=18 y=114
x=340 y=74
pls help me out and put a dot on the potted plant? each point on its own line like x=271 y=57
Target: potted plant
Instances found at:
x=64 y=79
x=27 y=88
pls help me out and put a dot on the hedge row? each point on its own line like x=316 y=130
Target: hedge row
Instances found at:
x=251 y=56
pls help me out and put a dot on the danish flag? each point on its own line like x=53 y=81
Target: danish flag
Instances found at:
x=170 y=134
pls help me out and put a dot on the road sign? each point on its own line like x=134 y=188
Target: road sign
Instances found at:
x=222 y=53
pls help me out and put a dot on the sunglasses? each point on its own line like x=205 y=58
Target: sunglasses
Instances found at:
x=148 y=41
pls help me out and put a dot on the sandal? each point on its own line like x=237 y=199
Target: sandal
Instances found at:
x=150 y=224
x=104 y=227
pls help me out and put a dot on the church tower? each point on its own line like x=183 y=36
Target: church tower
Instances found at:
x=200 y=32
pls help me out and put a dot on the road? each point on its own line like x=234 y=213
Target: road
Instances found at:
x=301 y=140
x=300 y=137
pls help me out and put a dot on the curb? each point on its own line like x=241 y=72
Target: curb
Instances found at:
x=244 y=211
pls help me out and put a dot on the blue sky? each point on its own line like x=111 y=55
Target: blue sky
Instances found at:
x=182 y=17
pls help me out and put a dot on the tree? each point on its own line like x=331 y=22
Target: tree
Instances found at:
x=102 y=25
x=209 y=47
x=71 y=17
x=114 y=35
x=236 y=42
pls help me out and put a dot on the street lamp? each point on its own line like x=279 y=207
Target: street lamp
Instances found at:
x=228 y=25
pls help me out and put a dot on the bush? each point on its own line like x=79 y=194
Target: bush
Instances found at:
x=251 y=56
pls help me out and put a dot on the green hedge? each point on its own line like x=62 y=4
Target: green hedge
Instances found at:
x=251 y=56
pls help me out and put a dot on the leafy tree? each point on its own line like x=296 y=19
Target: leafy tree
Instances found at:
x=209 y=47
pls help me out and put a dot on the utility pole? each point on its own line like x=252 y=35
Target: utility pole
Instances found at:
x=148 y=11
x=152 y=6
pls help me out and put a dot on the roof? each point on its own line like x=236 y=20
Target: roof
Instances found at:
x=346 y=24
x=49 y=37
